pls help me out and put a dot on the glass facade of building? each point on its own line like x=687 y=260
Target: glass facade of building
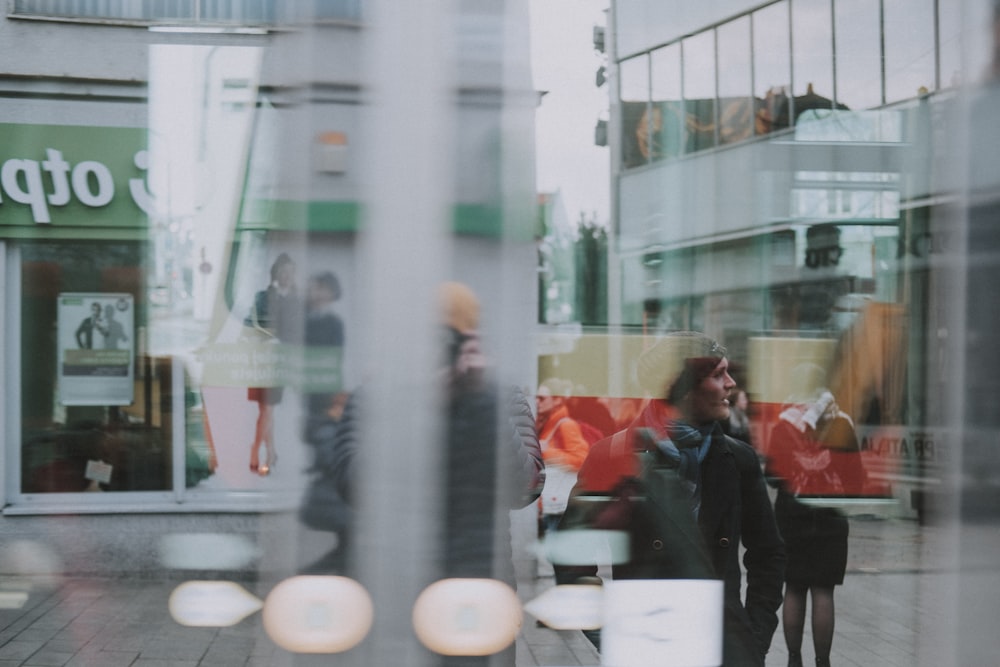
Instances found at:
x=279 y=295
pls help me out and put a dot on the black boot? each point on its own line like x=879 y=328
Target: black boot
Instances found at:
x=794 y=659
x=822 y=662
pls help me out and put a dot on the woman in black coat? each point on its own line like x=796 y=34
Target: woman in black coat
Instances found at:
x=688 y=495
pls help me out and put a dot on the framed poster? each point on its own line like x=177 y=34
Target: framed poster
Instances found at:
x=96 y=340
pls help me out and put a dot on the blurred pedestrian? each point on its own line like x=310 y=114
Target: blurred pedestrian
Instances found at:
x=276 y=316
x=564 y=448
x=687 y=494
x=814 y=461
x=489 y=436
x=738 y=424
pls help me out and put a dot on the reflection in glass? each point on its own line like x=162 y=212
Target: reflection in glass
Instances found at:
x=949 y=23
x=812 y=47
x=858 y=53
x=771 y=66
x=699 y=90
x=638 y=127
x=735 y=89
x=667 y=107
x=909 y=48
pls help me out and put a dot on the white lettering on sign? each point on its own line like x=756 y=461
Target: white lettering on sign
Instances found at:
x=24 y=181
x=137 y=186
x=11 y=175
x=57 y=168
x=81 y=183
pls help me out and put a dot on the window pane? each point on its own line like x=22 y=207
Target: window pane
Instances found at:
x=636 y=134
x=771 y=66
x=667 y=107
x=699 y=90
x=735 y=87
x=96 y=416
x=859 y=68
x=812 y=49
x=950 y=41
x=909 y=48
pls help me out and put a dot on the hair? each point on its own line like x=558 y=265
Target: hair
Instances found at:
x=695 y=370
x=279 y=263
x=328 y=279
x=677 y=363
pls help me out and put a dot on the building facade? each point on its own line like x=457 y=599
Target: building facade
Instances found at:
x=158 y=158
x=812 y=183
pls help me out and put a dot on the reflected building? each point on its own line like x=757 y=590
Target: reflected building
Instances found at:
x=809 y=181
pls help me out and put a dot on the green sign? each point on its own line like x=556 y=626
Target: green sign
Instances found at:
x=75 y=181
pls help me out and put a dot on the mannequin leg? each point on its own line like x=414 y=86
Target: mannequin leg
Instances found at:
x=822 y=622
x=793 y=618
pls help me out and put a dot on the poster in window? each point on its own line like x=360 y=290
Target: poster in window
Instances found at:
x=96 y=339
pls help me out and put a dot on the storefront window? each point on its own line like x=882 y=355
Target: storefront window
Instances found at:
x=96 y=413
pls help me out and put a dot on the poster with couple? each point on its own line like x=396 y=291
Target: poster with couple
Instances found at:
x=96 y=339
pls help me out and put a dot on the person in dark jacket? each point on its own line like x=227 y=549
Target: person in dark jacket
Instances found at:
x=688 y=495
x=487 y=426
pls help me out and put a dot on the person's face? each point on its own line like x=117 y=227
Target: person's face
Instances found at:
x=95 y=310
x=545 y=401
x=709 y=400
x=741 y=400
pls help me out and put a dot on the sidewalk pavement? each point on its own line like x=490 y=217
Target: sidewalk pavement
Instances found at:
x=896 y=576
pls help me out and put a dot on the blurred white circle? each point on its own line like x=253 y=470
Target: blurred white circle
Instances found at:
x=318 y=614
x=467 y=616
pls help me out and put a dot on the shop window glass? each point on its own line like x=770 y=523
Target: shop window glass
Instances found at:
x=700 y=90
x=667 y=105
x=771 y=67
x=638 y=126
x=96 y=413
x=812 y=55
x=736 y=107
x=909 y=48
x=858 y=53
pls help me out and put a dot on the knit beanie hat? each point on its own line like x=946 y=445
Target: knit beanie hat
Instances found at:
x=459 y=307
x=676 y=363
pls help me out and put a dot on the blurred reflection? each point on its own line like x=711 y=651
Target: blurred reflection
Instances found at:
x=688 y=495
x=322 y=506
x=309 y=614
x=813 y=453
x=274 y=317
x=738 y=424
x=467 y=617
x=490 y=436
x=564 y=448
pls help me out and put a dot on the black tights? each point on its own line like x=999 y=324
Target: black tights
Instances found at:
x=794 y=618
